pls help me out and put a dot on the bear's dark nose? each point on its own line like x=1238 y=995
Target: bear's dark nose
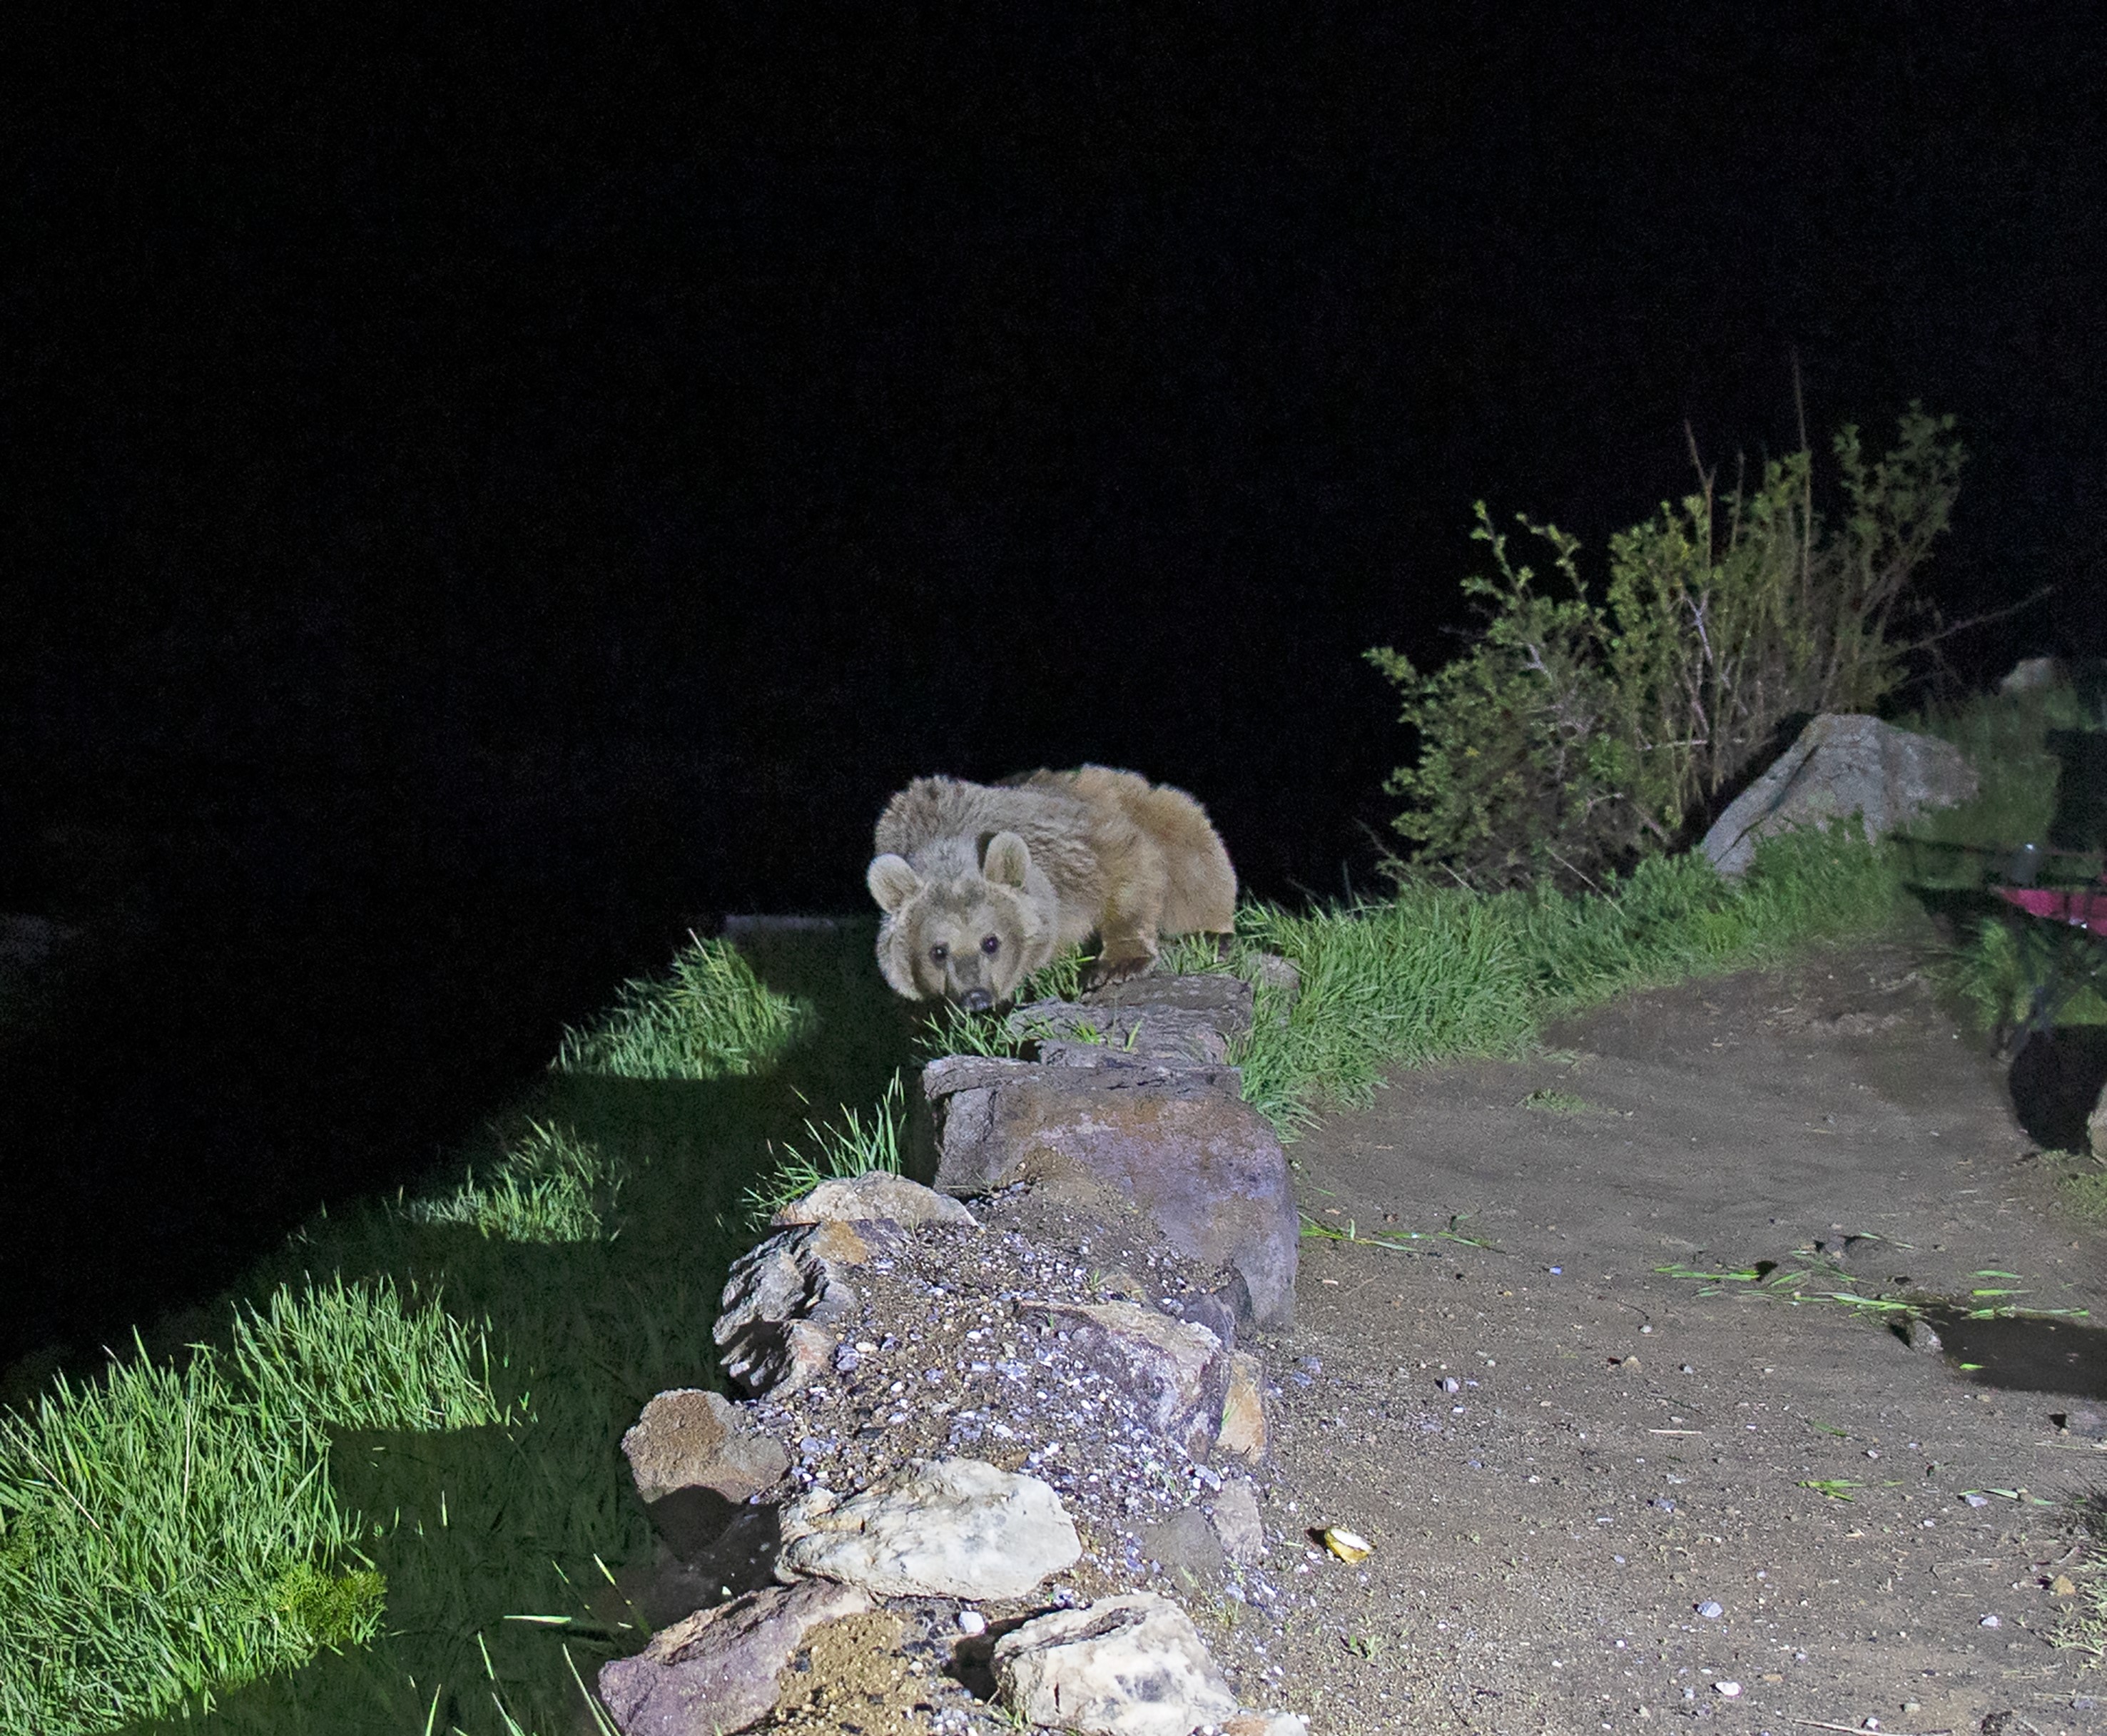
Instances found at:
x=977 y=1001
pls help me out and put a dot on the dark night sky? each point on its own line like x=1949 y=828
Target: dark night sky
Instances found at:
x=470 y=481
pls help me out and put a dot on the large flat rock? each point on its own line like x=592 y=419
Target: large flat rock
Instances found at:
x=1175 y=1140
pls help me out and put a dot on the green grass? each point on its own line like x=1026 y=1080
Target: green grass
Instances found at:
x=2007 y=741
x=1443 y=972
x=550 y=1186
x=836 y=1152
x=501 y=1547
x=707 y=1017
x=2081 y=1184
x=2082 y=1626
x=350 y=1357
x=167 y=1532
x=2006 y=962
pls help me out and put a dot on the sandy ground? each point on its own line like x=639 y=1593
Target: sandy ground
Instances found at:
x=1623 y=1453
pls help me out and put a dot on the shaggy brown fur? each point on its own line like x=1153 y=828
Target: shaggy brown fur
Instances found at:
x=981 y=884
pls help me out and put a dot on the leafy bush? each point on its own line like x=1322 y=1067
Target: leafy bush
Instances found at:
x=1577 y=736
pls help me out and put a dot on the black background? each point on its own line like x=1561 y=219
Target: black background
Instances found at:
x=484 y=491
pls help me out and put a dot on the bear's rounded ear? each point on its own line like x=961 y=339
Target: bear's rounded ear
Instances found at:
x=1007 y=859
x=892 y=882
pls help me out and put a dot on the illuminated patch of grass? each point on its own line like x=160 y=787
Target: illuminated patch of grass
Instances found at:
x=2083 y=1627
x=550 y=1186
x=351 y=1357
x=1440 y=972
x=167 y=1532
x=707 y=1017
x=838 y=1152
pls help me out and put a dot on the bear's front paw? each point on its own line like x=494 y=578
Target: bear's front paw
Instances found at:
x=1117 y=967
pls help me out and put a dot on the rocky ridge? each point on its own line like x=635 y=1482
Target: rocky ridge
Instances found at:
x=989 y=1459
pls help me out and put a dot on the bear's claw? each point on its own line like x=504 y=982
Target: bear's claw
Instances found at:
x=1107 y=971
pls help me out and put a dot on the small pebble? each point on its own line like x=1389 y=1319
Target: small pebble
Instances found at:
x=1730 y=1690
x=1710 y=1611
x=972 y=1623
x=1975 y=1499
x=1992 y=1622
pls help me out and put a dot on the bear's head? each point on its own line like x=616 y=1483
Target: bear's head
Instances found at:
x=970 y=929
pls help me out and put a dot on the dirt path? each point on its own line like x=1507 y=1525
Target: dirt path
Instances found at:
x=1623 y=1452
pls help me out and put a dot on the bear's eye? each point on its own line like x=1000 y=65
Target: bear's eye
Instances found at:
x=991 y=945
x=940 y=953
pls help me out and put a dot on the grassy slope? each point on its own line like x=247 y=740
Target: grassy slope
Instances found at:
x=596 y=1239
x=593 y=1237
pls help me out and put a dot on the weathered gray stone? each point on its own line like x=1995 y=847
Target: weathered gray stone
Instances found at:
x=772 y=1332
x=2095 y=1126
x=1122 y=1666
x=688 y=1438
x=1175 y=1371
x=2031 y=674
x=878 y=1195
x=1070 y=1035
x=1284 y=976
x=1224 y=1000
x=1241 y=1433
x=780 y=1356
x=1185 y=1542
x=715 y=1671
x=1178 y=1143
x=695 y=1462
x=1217 y=1310
x=1842 y=764
x=1238 y=1522
x=954 y=1527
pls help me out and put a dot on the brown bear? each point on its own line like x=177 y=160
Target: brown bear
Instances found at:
x=981 y=884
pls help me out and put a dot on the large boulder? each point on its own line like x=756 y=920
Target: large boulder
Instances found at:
x=774 y=1328
x=716 y=1671
x=1171 y=1021
x=696 y=1462
x=952 y=1528
x=1842 y=764
x=1174 y=1139
x=1122 y=1666
x=1176 y=1372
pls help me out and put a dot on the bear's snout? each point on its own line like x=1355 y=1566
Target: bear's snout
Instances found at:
x=977 y=1001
